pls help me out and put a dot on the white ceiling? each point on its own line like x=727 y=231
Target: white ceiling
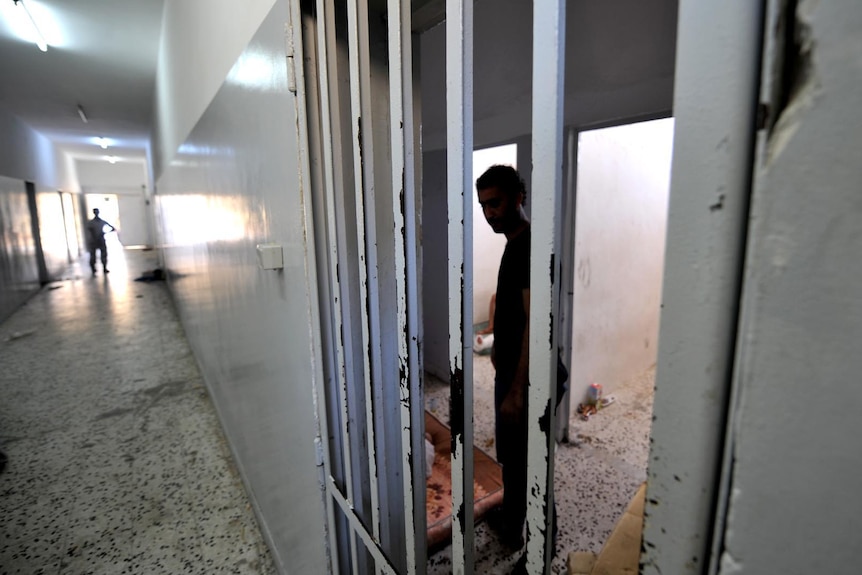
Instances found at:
x=102 y=55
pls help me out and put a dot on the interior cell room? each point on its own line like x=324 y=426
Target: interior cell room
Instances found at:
x=616 y=163
x=618 y=70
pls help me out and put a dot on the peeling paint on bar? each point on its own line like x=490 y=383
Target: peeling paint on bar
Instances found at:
x=401 y=141
x=302 y=111
x=459 y=98
x=548 y=56
x=383 y=564
x=325 y=23
x=358 y=66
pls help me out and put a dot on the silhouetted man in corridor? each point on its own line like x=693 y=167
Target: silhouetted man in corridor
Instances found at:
x=96 y=240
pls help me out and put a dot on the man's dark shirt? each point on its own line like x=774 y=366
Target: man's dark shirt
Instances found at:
x=510 y=320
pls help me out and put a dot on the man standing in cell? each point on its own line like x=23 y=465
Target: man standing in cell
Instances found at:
x=95 y=231
x=502 y=196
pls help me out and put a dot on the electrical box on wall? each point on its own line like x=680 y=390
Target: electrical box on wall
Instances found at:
x=270 y=256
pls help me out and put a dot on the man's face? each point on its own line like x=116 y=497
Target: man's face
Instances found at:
x=500 y=210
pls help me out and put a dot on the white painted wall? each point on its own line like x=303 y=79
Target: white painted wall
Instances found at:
x=234 y=183
x=435 y=305
x=201 y=40
x=621 y=214
x=102 y=174
x=129 y=182
x=616 y=67
x=487 y=246
x=795 y=503
x=606 y=80
x=27 y=155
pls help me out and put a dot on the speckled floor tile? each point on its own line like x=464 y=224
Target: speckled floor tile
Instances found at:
x=117 y=463
x=595 y=476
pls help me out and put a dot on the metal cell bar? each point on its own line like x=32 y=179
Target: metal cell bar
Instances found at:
x=325 y=36
x=549 y=21
x=357 y=22
x=717 y=76
x=567 y=267
x=296 y=51
x=459 y=122
x=403 y=211
x=383 y=564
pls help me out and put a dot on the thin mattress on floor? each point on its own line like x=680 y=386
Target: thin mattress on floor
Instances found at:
x=487 y=484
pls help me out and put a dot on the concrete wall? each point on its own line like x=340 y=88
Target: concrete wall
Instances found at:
x=234 y=183
x=27 y=155
x=201 y=40
x=606 y=80
x=621 y=214
x=616 y=67
x=102 y=174
x=795 y=504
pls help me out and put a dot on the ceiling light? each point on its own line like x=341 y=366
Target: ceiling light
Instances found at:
x=82 y=114
x=103 y=142
x=112 y=159
x=39 y=38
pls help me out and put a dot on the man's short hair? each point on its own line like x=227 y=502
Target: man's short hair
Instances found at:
x=506 y=179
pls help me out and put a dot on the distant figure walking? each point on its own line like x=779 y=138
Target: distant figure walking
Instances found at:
x=96 y=240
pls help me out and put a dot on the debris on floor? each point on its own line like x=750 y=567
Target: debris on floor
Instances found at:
x=155 y=275
x=19 y=334
x=483 y=343
x=586 y=410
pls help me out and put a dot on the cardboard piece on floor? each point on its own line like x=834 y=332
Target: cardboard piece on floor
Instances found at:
x=581 y=562
x=621 y=553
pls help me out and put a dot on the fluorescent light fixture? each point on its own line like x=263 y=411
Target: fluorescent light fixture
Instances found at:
x=39 y=38
x=82 y=114
x=103 y=142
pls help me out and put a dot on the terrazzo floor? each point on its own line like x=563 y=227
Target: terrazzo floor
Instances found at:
x=117 y=463
x=595 y=475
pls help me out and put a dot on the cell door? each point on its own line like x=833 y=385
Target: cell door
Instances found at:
x=353 y=68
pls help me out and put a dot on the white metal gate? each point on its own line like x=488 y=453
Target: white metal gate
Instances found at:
x=354 y=71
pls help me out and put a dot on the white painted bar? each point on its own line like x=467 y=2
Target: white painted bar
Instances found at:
x=381 y=562
x=325 y=37
x=567 y=267
x=296 y=52
x=401 y=123
x=715 y=100
x=459 y=111
x=357 y=17
x=549 y=19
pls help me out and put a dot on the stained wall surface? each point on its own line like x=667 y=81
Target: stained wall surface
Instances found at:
x=232 y=184
x=621 y=215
